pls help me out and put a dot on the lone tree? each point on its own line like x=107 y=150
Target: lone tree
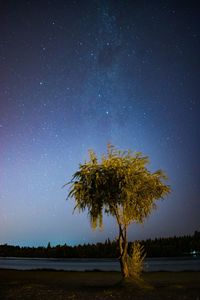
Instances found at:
x=119 y=185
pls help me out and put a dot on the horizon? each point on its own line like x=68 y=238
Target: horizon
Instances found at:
x=103 y=242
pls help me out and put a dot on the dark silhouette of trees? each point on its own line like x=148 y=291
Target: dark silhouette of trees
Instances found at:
x=119 y=185
x=160 y=247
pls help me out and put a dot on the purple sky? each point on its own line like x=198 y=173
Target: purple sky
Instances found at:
x=76 y=75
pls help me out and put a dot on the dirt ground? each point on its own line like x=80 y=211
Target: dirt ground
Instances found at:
x=49 y=285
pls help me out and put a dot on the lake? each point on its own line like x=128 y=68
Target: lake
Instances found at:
x=150 y=265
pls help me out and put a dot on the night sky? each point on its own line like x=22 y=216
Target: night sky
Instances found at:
x=76 y=75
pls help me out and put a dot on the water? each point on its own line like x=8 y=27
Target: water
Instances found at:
x=172 y=264
x=151 y=264
x=60 y=264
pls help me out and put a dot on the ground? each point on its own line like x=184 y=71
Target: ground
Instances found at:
x=49 y=285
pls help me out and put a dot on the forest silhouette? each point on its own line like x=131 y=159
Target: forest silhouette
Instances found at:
x=188 y=245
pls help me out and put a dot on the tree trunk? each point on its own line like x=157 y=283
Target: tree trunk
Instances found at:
x=124 y=267
x=123 y=246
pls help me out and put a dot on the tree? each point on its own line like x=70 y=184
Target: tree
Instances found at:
x=119 y=185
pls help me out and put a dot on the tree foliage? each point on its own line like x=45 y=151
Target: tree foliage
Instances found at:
x=135 y=259
x=120 y=185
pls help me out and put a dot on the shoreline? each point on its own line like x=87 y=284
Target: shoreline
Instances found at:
x=96 y=271
x=101 y=265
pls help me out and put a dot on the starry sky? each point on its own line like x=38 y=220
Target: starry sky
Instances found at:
x=76 y=75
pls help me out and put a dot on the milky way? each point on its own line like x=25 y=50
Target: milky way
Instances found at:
x=76 y=75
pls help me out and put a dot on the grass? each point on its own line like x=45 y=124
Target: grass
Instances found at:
x=49 y=285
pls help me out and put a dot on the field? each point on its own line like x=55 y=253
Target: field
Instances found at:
x=49 y=285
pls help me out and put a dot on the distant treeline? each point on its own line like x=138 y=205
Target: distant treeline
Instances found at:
x=159 y=247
